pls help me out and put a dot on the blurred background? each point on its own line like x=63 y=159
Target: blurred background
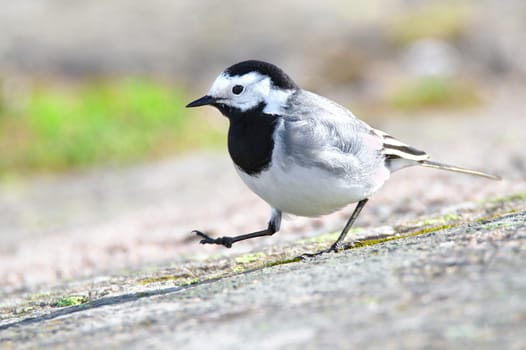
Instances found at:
x=101 y=165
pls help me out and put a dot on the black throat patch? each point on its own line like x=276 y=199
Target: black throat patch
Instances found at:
x=250 y=141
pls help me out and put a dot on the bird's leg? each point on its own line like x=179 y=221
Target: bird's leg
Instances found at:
x=228 y=241
x=338 y=243
x=273 y=227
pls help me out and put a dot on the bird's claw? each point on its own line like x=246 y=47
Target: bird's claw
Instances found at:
x=335 y=248
x=206 y=238
x=224 y=241
x=306 y=256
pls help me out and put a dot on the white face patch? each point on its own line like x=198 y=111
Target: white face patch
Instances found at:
x=276 y=101
x=257 y=88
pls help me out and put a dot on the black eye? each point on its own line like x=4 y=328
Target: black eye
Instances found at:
x=237 y=89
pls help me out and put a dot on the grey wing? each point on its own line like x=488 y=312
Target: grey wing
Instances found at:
x=323 y=134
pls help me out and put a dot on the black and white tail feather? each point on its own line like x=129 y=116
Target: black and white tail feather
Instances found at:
x=400 y=155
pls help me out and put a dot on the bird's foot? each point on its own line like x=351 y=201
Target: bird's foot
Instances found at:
x=224 y=241
x=335 y=248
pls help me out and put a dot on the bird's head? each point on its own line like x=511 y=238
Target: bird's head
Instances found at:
x=246 y=86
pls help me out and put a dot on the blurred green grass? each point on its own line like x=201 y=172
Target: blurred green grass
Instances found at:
x=434 y=92
x=53 y=127
x=50 y=128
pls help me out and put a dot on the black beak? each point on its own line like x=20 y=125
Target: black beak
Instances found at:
x=203 y=101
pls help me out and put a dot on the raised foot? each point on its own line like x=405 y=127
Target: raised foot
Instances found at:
x=224 y=241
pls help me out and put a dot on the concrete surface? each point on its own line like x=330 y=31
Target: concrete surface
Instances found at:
x=461 y=285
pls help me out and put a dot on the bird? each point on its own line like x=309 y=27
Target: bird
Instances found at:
x=300 y=152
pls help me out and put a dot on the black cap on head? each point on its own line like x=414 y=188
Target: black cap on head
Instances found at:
x=278 y=77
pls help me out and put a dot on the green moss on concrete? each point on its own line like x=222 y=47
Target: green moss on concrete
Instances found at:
x=71 y=300
x=160 y=279
x=250 y=258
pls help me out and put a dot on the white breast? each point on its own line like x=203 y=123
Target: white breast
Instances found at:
x=311 y=173
x=308 y=191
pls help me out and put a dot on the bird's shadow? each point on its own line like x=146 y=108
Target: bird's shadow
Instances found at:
x=113 y=300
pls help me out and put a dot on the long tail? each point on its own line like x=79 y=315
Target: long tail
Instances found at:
x=442 y=166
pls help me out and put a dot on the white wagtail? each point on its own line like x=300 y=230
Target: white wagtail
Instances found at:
x=300 y=152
